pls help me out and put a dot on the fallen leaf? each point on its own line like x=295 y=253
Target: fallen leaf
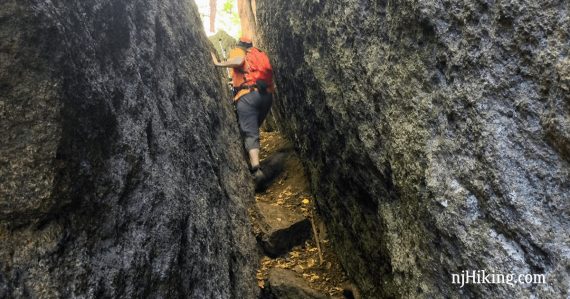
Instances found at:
x=311 y=263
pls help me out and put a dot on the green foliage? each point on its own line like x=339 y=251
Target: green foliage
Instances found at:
x=228 y=6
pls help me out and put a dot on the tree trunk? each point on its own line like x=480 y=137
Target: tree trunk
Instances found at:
x=247 y=18
x=213 y=15
x=254 y=10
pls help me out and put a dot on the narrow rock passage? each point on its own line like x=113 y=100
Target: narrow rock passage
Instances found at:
x=289 y=194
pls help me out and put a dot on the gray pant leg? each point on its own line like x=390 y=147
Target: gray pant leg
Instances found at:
x=248 y=120
x=252 y=109
x=265 y=107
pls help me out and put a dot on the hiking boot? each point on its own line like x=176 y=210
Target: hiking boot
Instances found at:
x=258 y=176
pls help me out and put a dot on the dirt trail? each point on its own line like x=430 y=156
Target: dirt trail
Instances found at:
x=291 y=191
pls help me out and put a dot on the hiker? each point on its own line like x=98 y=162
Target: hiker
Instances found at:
x=252 y=81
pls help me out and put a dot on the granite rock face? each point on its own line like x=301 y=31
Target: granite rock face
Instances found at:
x=121 y=171
x=436 y=135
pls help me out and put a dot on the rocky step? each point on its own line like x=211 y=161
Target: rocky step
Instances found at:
x=281 y=229
x=286 y=284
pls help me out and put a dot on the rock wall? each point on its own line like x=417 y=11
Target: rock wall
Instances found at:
x=121 y=173
x=436 y=135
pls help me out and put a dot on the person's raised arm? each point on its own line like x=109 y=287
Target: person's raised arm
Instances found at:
x=231 y=62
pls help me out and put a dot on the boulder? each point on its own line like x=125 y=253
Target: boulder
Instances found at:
x=435 y=135
x=121 y=174
x=281 y=229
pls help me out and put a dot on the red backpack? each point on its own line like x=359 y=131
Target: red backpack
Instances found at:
x=257 y=67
